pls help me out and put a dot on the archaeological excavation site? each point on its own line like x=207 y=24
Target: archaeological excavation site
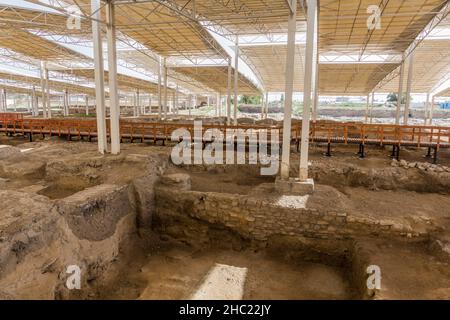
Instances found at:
x=204 y=150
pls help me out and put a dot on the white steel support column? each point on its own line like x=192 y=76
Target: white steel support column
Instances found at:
x=289 y=87
x=114 y=104
x=366 y=116
x=176 y=99
x=2 y=104
x=87 y=104
x=189 y=104
x=316 y=76
x=30 y=102
x=99 y=77
x=43 y=91
x=262 y=105
x=266 y=112
x=150 y=103
x=236 y=79
x=316 y=95
x=47 y=94
x=309 y=65
x=400 y=93
x=4 y=100
x=165 y=89
x=408 y=88
x=427 y=108
x=34 y=107
x=138 y=103
x=220 y=105
x=431 y=110
x=134 y=104
x=229 y=93
x=217 y=104
x=159 y=89
x=66 y=103
x=371 y=107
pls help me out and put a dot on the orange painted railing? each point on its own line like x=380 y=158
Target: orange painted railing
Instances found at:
x=321 y=131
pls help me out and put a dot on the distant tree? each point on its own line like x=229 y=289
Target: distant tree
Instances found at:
x=245 y=99
x=393 y=97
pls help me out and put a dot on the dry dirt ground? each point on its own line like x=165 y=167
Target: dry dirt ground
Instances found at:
x=156 y=267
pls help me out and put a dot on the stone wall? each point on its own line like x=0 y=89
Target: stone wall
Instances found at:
x=323 y=215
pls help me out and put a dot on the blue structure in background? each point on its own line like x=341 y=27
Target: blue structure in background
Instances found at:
x=445 y=105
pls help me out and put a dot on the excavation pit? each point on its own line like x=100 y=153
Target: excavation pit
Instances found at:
x=141 y=228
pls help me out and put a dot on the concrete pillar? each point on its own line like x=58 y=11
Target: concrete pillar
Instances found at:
x=229 y=93
x=309 y=65
x=114 y=104
x=408 y=88
x=289 y=87
x=236 y=79
x=99 y=77
x=400 y=93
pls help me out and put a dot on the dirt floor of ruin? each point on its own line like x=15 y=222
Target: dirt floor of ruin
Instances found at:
x=143 y=228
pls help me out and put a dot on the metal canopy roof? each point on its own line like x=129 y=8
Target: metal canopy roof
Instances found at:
x=216 y=78
x=56 y=85
x=178 y=28
x=351 y=79
x=126 y=83
x=242 y=17
x=343 y=25
x=269 y=62
x=26 y=43
x=431 y=65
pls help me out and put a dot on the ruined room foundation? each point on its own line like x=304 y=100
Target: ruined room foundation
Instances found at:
x=152 y=230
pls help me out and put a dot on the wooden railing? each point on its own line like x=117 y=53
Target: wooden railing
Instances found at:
x=321 y=131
